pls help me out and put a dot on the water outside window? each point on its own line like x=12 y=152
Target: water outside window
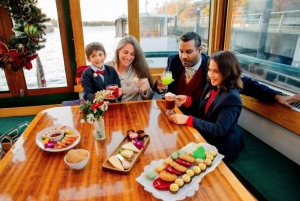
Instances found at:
x=50 y=70
x=98 y=19
x=265 y=35
x=3 y=83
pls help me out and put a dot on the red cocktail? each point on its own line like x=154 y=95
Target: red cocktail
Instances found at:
x=114 y=88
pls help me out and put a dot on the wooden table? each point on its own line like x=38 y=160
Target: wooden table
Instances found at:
x=30 y=173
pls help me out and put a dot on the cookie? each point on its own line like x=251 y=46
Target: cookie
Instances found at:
x=187 y=158
x=166 y=176
x=178 y=167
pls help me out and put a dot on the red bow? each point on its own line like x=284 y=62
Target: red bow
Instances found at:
x=100 y=72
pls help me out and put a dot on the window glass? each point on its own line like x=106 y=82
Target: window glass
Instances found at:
x=265 y=37
x=3 y=83
x=49 y=69
x=98 y=20
x=162 y=22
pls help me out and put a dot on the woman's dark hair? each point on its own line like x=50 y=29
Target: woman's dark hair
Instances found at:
x=191 y=36
x=230 y=69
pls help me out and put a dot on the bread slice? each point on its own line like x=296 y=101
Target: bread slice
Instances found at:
x=130 y=146
x=115 y=162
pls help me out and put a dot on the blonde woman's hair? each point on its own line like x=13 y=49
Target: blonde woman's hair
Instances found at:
x=139 y=64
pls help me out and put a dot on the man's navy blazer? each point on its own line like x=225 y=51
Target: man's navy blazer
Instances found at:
x=92 y=84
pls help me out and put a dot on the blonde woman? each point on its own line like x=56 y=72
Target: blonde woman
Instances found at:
x=130 y=63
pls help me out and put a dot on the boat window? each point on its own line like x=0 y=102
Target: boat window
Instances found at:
x=3 y=82
x=48 y=69
x=103 y=21
x=162 y=22
x=266 y=41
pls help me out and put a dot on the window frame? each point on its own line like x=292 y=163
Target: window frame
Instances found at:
x=16 y=80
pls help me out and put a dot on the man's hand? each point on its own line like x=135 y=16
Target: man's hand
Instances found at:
x=287 y=100
x=160 y=84
x=179 y=118
x=180 y=100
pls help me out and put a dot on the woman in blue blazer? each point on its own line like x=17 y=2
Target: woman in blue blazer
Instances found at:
x=219 y=106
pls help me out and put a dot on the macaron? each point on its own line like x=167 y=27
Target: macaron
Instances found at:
x=174 y=156
x=150 y=175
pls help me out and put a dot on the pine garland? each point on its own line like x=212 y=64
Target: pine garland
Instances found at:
x=21 y=48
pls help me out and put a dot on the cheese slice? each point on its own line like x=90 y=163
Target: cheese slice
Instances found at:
x=127 y=153
x=130 y=146
x=115 y=162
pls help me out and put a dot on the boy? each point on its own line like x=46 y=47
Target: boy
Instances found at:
x=97 y=76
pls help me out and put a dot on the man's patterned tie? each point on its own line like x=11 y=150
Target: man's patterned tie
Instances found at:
x=190 y=75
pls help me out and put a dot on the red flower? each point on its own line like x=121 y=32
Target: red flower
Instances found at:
x=14 y=59
x=97 y=105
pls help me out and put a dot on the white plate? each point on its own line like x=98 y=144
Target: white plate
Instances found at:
x=39 y=140
x=188 y=190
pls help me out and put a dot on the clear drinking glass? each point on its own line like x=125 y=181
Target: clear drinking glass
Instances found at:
x=167 y=79
x=170 y=103
x=115 y=90
x=139 y=83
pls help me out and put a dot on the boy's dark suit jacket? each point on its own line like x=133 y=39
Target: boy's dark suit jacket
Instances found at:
x=219 y=125
x=92 y=84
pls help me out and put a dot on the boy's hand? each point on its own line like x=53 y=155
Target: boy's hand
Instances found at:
x=120 y=91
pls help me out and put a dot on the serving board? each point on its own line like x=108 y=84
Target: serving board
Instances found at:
x=109 y=167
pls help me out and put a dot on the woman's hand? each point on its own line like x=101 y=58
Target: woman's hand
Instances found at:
x=144 y=84
x=287 y=100
x=180 y=100
x=179 y=118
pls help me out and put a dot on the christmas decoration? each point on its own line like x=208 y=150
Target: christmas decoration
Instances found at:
x=21 y=49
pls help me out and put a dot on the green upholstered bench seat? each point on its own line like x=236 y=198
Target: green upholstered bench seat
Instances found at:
x=265 y=172
x=6 y=123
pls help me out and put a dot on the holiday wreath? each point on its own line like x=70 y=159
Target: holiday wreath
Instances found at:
x=21 y=49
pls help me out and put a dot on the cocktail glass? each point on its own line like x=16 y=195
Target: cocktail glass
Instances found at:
x=170 y=103
x=138 y=83
x=167 y=79
x=115 y=90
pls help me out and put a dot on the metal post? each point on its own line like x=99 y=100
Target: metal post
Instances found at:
x=264 y=30
x=166 y=19
x=198 y=21
x=175 y=26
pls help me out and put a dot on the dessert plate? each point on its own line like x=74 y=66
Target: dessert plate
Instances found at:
x=39 y=140
x=188 y=190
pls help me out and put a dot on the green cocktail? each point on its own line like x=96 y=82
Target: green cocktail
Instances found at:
x=167 y=78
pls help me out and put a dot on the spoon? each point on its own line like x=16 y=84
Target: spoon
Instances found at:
x=125 y=164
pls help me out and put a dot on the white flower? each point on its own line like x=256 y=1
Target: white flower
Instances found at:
x=82 y=121
x=90 y=118
x=95 y=74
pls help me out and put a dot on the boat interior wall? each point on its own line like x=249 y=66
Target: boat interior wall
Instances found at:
x=270 y=132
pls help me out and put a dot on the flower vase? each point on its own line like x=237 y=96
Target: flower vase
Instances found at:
x=99 y=129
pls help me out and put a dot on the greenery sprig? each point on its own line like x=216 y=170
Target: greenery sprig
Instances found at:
x=21 y=48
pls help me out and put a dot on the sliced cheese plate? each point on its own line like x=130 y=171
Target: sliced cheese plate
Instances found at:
x=134 y=158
